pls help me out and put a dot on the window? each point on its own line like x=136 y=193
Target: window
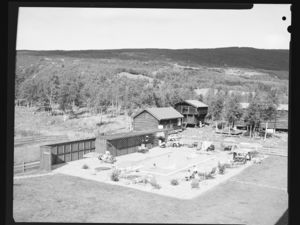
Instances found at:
x=185 y=109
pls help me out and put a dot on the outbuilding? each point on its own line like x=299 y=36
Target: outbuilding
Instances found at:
x=129 y=142
x=193 y=111
x=157 y=118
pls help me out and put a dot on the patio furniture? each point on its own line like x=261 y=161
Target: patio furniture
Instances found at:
x=240 y=157
x=162 y=144
x=143 y=149
x=230 y=147
x=176 y=144
x=195 y=144
x=107 y=157
x=211 y=148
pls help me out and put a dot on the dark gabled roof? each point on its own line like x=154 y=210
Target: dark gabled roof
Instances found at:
x=130 y=134
x=163 y=113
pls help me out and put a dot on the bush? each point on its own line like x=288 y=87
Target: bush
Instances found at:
x=115 y=175
x=221 y=168
x=195 y=183
x=154 y=183
x=174 y=182
x=85 y=166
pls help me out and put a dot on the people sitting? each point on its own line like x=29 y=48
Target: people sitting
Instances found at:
x=192 y=173
x=107 y=157
x=143 y=148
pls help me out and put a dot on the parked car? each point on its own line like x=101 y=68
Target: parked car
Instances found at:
x=211 y=148
x=176 y=144
x=230 y=147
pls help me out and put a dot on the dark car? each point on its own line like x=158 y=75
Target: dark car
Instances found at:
x=211 y=148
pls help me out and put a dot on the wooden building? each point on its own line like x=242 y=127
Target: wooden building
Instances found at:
x=63 y=152
x=154 y=118
x=126 y=143
x=279 y=123
x=281 y=120
x=193 y=111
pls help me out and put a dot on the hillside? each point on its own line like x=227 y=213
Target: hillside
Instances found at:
x=228 y=57
x=135 y=78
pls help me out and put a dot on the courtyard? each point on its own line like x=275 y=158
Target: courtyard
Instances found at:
x=163 y=165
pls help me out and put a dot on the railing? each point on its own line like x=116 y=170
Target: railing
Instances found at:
x=25 y=166
x=274 y=151
x=31 y=140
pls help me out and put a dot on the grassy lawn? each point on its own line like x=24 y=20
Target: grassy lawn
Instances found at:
x=61 y=198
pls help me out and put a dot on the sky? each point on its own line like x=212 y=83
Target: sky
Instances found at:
x=116 y=28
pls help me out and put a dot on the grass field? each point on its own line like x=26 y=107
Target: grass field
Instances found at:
x=256 y=196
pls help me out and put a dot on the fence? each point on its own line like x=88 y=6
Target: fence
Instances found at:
x=274 y=151
x=34 y=140
x=64 y=152
x=269 y=150
x=26 y=166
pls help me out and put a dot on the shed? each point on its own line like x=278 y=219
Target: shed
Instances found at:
x=126 y=143
x=193 y=111
x=154 y=118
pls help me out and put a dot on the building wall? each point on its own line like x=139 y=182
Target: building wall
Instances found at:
x=127 y=145
x=171 y=124
x=145 y=121
x=192 y=115
x=64 y=152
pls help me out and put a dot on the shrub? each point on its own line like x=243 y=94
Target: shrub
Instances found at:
x=154 y=183
x=115 y=175
x=221 y=168
x=213 y=170
x=85 y=166
x=195 y=183
x=174 y=182
x=211 y=174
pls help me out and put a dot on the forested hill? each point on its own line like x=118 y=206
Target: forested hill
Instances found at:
x=137 y=78
x=229 y=57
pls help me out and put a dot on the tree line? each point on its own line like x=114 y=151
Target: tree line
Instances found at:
x=65 y=86
x=262 y=108
x=101 y=92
